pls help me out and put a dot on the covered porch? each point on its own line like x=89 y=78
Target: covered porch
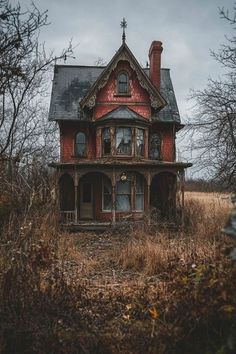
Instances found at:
x=93 y=198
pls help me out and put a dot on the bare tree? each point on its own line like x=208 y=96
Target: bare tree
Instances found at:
x=24 y=67
x=213 y=125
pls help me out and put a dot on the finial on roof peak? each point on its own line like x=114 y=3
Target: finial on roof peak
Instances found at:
x=123 y=25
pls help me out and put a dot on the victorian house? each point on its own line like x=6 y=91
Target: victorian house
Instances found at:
x=118 y=125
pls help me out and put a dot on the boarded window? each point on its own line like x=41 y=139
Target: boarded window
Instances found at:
x=80 y=144
x=139 y=142
x=123 y=196
x=139 y=195
x=106 y=141
x=155 y=146
x=107 y=194
x=123 y=83
x=123 y=141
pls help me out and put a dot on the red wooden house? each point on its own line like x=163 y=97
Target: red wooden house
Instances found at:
x=118 y=125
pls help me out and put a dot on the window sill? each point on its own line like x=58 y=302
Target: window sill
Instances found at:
x=78 y=157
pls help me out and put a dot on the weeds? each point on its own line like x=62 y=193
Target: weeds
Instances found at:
x=149 y=290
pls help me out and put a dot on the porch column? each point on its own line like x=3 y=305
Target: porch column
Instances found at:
x=182 y=180
x=113 y=197
x=76 y=196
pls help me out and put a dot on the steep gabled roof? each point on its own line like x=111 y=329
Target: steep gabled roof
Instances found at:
x=72 y=82
x=124 y=53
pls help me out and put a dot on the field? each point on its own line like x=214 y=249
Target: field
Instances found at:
x=145 y=289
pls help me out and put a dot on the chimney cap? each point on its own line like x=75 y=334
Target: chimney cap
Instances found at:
x=157 y=46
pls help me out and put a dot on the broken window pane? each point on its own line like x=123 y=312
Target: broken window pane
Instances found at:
x=123 y=141
x=123 y=83
x=140 y=142
x=107 y=194
x=80 y=144
x=106 y=141
x=155 y=146
x=123 y=196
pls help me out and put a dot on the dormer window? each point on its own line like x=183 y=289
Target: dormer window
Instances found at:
x=80 y=144
x=123 y=83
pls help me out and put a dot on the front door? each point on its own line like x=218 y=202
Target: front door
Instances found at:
x=86 y=200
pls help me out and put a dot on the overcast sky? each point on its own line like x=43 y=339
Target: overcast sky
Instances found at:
x=188 y=30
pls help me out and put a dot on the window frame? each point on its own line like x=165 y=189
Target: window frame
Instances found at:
x=131 y=141
x=76 y=144
x=119 y=93
x=127 y=194
x=103 y=153
x=136 y=145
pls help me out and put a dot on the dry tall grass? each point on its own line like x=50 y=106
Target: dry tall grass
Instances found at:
x=178 y=295
x=196 y=244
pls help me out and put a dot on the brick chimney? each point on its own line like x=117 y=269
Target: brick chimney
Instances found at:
x=155 y=63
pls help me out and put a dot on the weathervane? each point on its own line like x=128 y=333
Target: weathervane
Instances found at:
x=123 y=25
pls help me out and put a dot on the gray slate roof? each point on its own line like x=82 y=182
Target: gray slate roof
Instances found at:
x=71 y=83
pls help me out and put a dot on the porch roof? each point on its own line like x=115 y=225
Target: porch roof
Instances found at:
x=118 y=162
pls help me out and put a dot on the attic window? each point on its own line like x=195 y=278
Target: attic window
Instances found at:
x=123 y=83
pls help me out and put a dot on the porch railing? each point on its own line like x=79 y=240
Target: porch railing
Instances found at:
x=67 y=217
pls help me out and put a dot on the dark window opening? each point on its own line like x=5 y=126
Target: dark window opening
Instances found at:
x=80 y=145
x=155 y=146
x=106 y=141
x=139 y=142
x=123 y=83
x=87 y=193
x=107 y=194
x=123 y=141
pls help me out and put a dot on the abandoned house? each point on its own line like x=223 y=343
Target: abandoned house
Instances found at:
x=118 y=126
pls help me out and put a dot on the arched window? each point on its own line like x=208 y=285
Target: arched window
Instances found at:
x=155 y=146
x=123 y=83
x=80 y=144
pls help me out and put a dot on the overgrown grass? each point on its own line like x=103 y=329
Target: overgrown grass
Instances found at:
x=178 y=297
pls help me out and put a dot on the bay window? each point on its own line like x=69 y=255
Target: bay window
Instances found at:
x=123 y=141
x=139 y=142
x=106 y=141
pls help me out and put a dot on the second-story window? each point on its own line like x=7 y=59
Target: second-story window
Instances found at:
x=123 y=83
x=80 y=144
x=155 y=146
x=139 y=142
x=123 y=141
x=106 y=141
